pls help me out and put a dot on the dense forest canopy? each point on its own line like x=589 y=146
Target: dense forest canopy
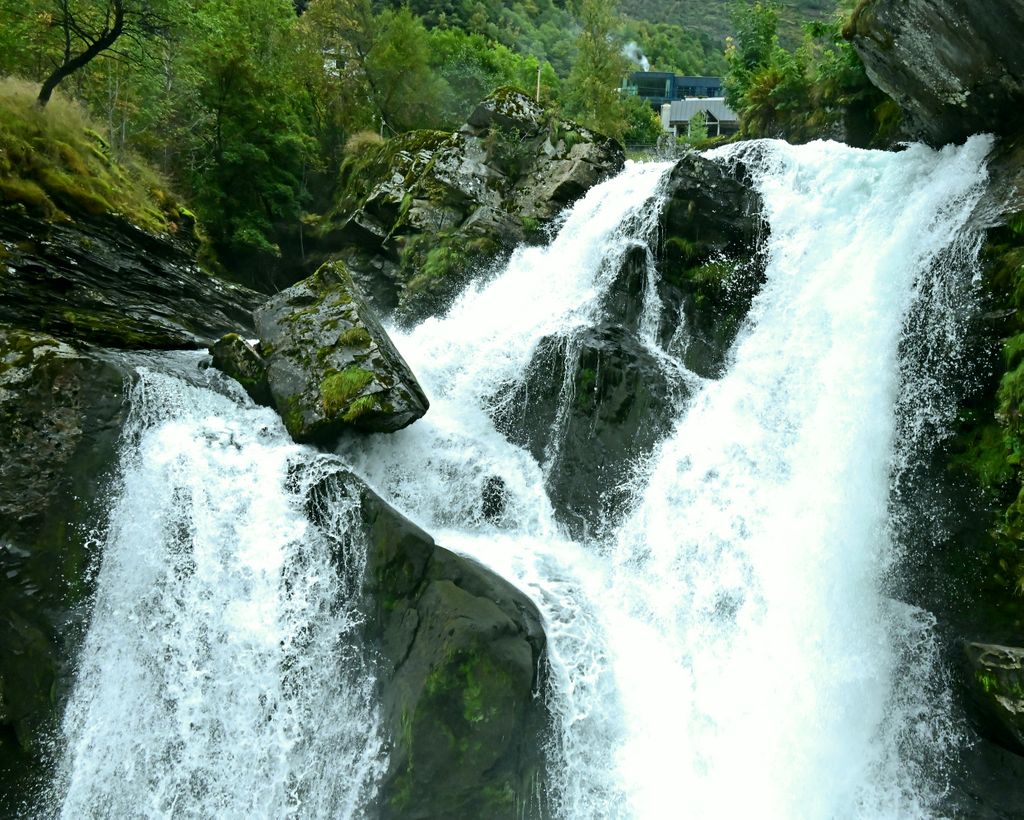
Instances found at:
x=247 y=106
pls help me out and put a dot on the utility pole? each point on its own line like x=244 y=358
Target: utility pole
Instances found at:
x=538 y=82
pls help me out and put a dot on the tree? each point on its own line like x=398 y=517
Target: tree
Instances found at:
x=593 y=85
x=87 y=29
x=248 y=144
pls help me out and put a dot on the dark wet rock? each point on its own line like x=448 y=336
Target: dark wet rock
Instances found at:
x=995 y=686
x=419 y=216
x=239 y=359
x=106 y=282
x=618 y=401
x=61 y=410
x=955 y=68
x=710 y=256
x=330 y=365
x=494 y=499
x=595 y=403
x=462 y=657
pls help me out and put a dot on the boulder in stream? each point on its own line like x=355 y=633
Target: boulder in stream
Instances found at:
x=330 y=365
x=462 y=669
x=995 y=684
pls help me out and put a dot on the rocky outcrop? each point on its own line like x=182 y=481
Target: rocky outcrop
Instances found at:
x=417 y=216
x=995 y=686
x=330 y=366
x=622 y=397
x=103 y=281
x=955 y=68
x=241 y=360
x=462 y=660
x=61 y=410
x=711 y=238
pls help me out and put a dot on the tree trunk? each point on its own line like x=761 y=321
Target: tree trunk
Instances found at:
x=72 y=64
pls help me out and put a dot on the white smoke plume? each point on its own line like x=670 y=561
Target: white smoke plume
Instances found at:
x=631 y=51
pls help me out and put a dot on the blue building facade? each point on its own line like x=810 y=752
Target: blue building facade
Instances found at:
x=659 y=87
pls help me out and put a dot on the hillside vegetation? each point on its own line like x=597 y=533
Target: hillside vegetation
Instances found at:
x=247 y=106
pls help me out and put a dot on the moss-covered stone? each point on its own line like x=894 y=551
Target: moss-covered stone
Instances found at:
x=423 y=213
x=235 y=356
x=60 y=414
x=462 y=671
x=995 y=684
x=330 y=365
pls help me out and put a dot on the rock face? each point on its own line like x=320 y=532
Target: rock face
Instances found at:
x=103 y=281
x=235 y=356
x=995 y=684
x=330 y=365
x=955 y=68
x=712 y=235
x=462 y=668
x=60 y=415
x=418 y=216
x=623 y=397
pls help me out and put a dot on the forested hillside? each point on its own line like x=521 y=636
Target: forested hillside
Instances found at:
x=714 y=17
x=249 y=107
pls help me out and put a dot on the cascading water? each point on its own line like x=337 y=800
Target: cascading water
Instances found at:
x=218 y=676
x=724 y=650
x=727 y=651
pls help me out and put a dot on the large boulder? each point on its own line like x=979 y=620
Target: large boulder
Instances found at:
x=712 y=236
x=955 y=68
x=995 y=684
x=462 y=660
x=419 y=215
x=595 y=402
x=330 y=365
x=61 y=410
x=104 y=281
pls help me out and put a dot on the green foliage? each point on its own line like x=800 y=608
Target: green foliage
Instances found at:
x=990 y=446
x=698 y=130
x=671 y=47
x=818 y=89
x=249 y=142
x=592 y=88
x=643 y=126
x=54 y=163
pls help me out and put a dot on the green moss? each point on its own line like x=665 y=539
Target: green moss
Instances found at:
x=355 y=337
x=361 y=406
x=294 y=418
x=338 y=389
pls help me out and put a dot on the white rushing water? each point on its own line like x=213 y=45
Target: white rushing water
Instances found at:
x=725 y=650
x=219 y=676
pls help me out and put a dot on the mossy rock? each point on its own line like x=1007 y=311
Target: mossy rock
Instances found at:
x=61 y=411
x=462 y=673
x=995 y=683
x=330 y=366
x=235 y=356
x=108 y=283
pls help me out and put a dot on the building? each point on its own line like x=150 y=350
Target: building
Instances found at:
x=719 y=118
x=660 y=87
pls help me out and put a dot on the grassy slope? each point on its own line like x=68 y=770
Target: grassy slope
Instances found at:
x=55 y=163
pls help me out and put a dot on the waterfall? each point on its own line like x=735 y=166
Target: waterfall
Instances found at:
x=218 y=676
x=725 y=649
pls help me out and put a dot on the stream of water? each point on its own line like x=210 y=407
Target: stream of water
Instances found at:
x=726 y=649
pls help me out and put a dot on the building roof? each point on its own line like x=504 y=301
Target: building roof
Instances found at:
x=683 y=110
